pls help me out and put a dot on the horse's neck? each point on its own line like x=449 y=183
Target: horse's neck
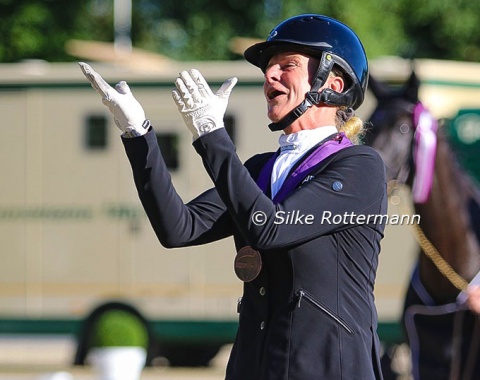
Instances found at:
x=445 y=218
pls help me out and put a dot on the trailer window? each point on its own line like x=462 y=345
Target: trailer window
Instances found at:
x=96 y=132
x=169 y=145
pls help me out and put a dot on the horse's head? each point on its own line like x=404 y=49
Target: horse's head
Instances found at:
x=404 y=133
x=391 y=131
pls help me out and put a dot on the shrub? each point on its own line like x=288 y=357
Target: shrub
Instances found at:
x=119 y=328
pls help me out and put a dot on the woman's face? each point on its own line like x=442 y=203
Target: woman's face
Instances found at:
x=288 y=77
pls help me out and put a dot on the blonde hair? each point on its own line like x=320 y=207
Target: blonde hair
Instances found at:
x=345 y=119
x=352 y=126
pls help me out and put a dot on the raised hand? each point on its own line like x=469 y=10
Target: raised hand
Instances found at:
x=127 y=112
x=201 y=109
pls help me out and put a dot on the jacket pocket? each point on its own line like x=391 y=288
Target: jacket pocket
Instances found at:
x=304 y=295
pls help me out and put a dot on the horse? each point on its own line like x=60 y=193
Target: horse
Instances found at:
x=443 y=335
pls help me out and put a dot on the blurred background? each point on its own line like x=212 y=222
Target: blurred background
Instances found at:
x=75 y=241
x=203 y=30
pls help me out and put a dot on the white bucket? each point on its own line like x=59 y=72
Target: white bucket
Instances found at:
x=118 y=363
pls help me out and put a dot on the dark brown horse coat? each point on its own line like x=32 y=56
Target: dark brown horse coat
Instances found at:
x=444 y=337
x=310 y=314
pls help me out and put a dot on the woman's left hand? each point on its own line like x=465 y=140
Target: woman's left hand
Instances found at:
x=201 y=109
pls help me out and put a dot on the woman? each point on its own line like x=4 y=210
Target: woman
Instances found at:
x=307 y=244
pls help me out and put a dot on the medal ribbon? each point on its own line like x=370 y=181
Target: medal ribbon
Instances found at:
x=337 y=143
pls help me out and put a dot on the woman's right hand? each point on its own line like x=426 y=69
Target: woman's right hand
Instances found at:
x=127 y=112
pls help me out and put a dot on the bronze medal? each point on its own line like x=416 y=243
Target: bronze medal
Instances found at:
x=248 y=264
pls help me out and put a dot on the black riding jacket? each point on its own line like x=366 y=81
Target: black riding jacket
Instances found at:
x=310 y=313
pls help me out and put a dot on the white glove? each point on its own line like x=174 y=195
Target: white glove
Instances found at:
x=127 y=112
x=202 y=110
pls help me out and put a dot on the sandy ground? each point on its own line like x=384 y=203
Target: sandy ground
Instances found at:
x=50 y=358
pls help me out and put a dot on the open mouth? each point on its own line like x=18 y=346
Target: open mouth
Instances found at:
x=272 y=94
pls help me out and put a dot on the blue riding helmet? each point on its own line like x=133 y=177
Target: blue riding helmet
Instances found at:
x=334 y=43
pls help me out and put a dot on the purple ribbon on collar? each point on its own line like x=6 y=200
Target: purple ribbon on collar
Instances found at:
x=337 y=143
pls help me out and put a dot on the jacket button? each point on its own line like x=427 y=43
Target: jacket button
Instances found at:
x=262 y=325
x=262 y=291
x=337 y=186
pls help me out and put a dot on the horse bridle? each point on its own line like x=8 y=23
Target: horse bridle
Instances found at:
x=421 y=155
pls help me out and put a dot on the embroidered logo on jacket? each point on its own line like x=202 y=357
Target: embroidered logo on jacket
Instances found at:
x=308 y=178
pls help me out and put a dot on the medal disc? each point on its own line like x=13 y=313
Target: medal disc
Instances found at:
x=248 y=264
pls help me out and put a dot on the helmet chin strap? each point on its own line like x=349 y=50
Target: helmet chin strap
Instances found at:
x=312 y=97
